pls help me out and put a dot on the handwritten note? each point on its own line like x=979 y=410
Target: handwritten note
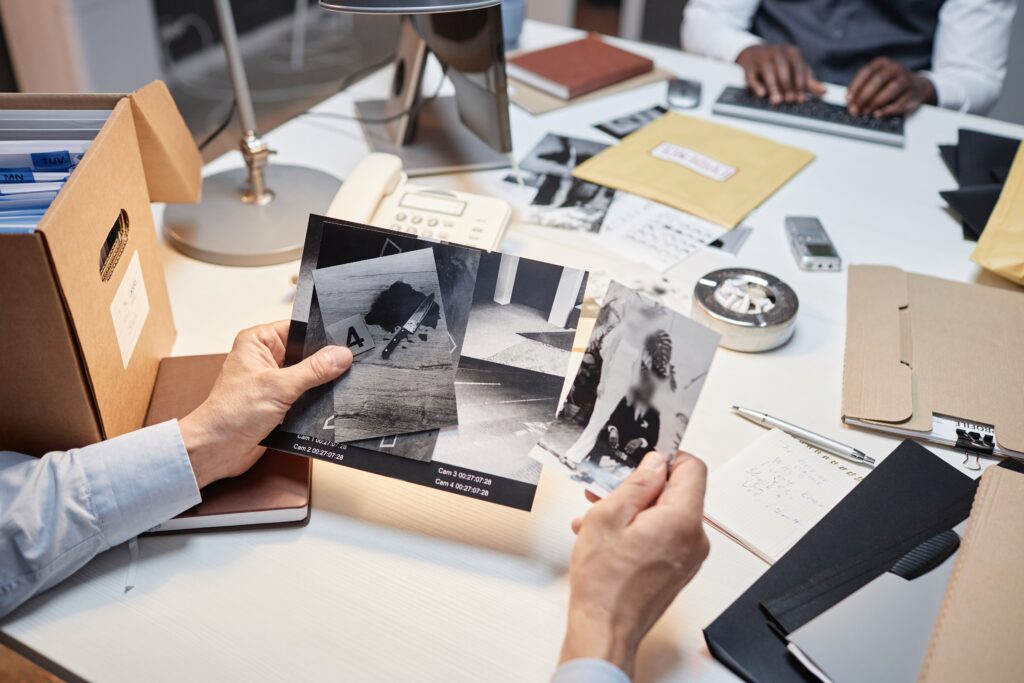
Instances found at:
x=654 y=234
x=774 y=490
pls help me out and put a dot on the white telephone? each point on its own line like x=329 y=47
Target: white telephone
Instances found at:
x=376 y=193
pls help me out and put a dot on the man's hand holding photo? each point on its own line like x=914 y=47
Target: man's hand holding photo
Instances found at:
x=635 y=550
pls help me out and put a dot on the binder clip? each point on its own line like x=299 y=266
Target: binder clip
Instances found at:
x=976 y=444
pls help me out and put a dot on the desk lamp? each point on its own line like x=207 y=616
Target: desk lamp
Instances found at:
x=431 y=134
x=240 y=220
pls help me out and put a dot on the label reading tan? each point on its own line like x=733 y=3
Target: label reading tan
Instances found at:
x=130 y=308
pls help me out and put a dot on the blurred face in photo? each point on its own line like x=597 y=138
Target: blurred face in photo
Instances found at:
x=646 y=387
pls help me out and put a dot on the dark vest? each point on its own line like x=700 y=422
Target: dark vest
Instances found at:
x=838 y=37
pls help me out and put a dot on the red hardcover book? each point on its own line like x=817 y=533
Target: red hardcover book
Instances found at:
x=577 y=68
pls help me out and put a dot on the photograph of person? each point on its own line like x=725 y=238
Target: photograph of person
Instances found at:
x=635 y=391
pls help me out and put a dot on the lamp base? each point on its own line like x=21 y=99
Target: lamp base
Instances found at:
x=225 y=229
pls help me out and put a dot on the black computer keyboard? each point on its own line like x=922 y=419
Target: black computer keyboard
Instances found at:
x=812 y=114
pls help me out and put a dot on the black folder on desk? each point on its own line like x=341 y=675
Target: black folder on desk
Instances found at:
x=909 y=498
x=980 y=162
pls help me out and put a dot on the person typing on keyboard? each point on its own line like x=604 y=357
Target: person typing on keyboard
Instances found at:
x=893 y=55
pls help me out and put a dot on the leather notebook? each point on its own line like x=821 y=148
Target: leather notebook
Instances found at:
x=275 y=491
x=577 y=68
x=977 y=636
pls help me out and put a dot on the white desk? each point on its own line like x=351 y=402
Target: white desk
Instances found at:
x=394 y=582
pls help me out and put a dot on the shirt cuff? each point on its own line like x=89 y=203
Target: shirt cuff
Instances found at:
x=138 y=480
x=589 y=671
x=949 y=93
x=731 y=43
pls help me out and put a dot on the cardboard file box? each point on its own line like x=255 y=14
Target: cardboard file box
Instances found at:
x=84 y=312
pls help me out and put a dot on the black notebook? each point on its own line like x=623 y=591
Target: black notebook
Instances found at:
x=911 y=496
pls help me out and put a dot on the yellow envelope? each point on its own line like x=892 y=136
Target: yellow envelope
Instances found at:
x=710 y=170
x=1001 y=246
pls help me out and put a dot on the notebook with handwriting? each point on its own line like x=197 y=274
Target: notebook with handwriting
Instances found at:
x=773 y=491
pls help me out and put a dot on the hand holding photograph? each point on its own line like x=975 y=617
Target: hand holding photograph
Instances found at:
x=635 y=391
x=513 y=321
x=313 y=414
x=406 y=382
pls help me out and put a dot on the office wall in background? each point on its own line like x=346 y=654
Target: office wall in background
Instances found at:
x=1010 y=106
x=562 y=12
x=81 y=45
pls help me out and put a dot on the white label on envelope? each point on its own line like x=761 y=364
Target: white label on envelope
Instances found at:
x=351 y=332
x=695 y=161
x=130 y=308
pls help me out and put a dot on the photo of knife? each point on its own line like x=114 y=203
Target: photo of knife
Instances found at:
x=409 y=327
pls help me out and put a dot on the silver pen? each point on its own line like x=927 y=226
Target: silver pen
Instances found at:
x=823 y=442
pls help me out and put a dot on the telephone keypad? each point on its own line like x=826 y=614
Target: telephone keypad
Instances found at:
x=442 y=229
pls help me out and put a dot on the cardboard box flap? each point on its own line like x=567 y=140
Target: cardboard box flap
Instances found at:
x=919 y=346
x=877 y=384
x=83 y=299
x=100 y=224
x=170 y=156
x=968 y=360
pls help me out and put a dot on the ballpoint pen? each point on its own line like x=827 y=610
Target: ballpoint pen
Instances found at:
x=823 y=442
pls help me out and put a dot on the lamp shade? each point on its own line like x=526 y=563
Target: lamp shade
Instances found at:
x=404 y=6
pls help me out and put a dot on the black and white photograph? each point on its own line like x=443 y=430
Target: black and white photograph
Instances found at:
x=635 y=391
x=514 y=362
x=570 y=204
x=519 y=321
x=314 y=415
x=558 y=155
x=405 y=383
x=621 y=126
x=562 y=201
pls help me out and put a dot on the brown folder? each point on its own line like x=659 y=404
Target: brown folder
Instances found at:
x=275 y=491
x=934 y=359
x=977 y=636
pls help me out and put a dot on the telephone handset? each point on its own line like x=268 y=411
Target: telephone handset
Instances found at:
x=376 y=193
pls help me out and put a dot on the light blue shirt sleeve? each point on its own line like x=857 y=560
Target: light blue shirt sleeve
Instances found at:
x=589 y=671
x=57 y=512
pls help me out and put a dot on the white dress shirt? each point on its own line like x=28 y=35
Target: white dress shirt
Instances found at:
x=59 y=511
x=968 y=58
